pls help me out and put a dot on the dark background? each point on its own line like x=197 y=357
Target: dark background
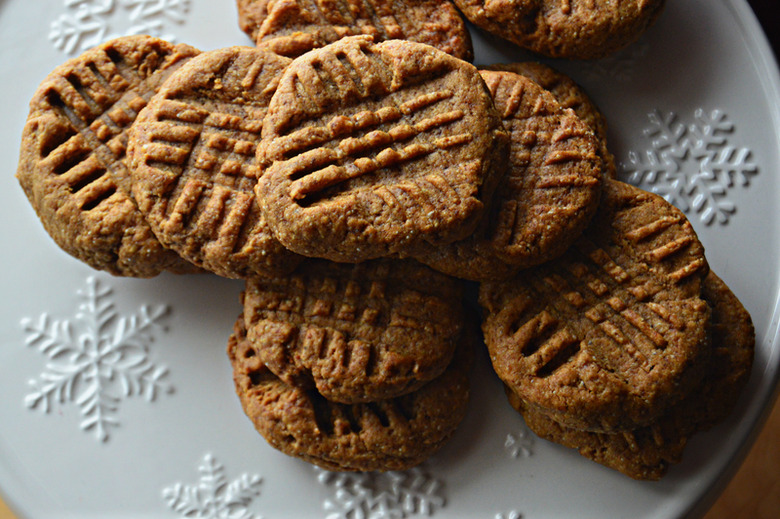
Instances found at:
x=767 y=13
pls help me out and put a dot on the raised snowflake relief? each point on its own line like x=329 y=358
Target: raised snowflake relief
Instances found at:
x=388 y=495
x=96 y=359
x=213 y=496
x=512 y=514
x=692 y=165
x=520 y=444
x=87 y=23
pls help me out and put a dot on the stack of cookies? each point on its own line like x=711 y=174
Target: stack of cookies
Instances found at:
x=620 y=347
x=358 y=182
x=354 y=366
x=308 y=179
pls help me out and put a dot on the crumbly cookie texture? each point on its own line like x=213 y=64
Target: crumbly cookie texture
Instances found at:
x=370 y=149
x=569 y=95
x=390 y=434
x=192 y=152
x=647 y=452
x=357 y=333
x=293 y=27
x=574 y=29
x=72 y=162
x=547 y=196
x=613 y=332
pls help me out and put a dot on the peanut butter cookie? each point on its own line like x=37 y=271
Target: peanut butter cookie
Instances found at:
x=609 y=335
x=647 y=452
x=72 y=162
x=569 y=95
x=357 y=332
x=392 y=434
x=293 y=27
x=578 y=29
x=547 y=195
x=192 y=152
x=370 y=149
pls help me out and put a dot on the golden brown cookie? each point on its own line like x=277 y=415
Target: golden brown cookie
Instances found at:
x=293 y=27
x=647 y=452
x=72 y=161
x=192 y=152
x=371 y=149
x=609 y=335
x=578 y=29
x=547 y=195
x=393 y=434
x=569 y=95
x=358 y=333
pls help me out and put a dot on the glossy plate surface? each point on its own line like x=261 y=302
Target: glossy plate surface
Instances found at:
x=116 y=398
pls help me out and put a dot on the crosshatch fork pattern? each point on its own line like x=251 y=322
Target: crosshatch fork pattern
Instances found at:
x=372 y=17
x=374 y=150
x=593 y=284
x=193 y=155
x=292 y=27
x=355 y=331
x=195 y=136
x=599 y=317
x=101 y=99
x=351 y=301
x=100 y=103
x=363 y=309
x=213 y=140
x=368 y=141
x=585 y=286
x=563 y=183
x=386 y=133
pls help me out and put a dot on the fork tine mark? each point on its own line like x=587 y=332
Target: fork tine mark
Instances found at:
x=184 y=206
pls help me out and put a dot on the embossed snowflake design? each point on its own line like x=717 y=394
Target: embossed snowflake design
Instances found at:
x=512 y=514
x=90 y=22
x=213 y=497
x=520 y=444
x=96 y=359
x=389 y=495
x=693 y=166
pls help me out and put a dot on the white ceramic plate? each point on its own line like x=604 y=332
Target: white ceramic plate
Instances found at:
x=146 y=424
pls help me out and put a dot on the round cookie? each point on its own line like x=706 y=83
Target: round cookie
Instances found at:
x=569 y=95
x=293 y=27
x=371 y=149
x=72 y=161
x=357 y=333
x=613 y=332
x=547 y=196
x=647 y=452
x=192 y=152
x=392 y=434
x=573 y=29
